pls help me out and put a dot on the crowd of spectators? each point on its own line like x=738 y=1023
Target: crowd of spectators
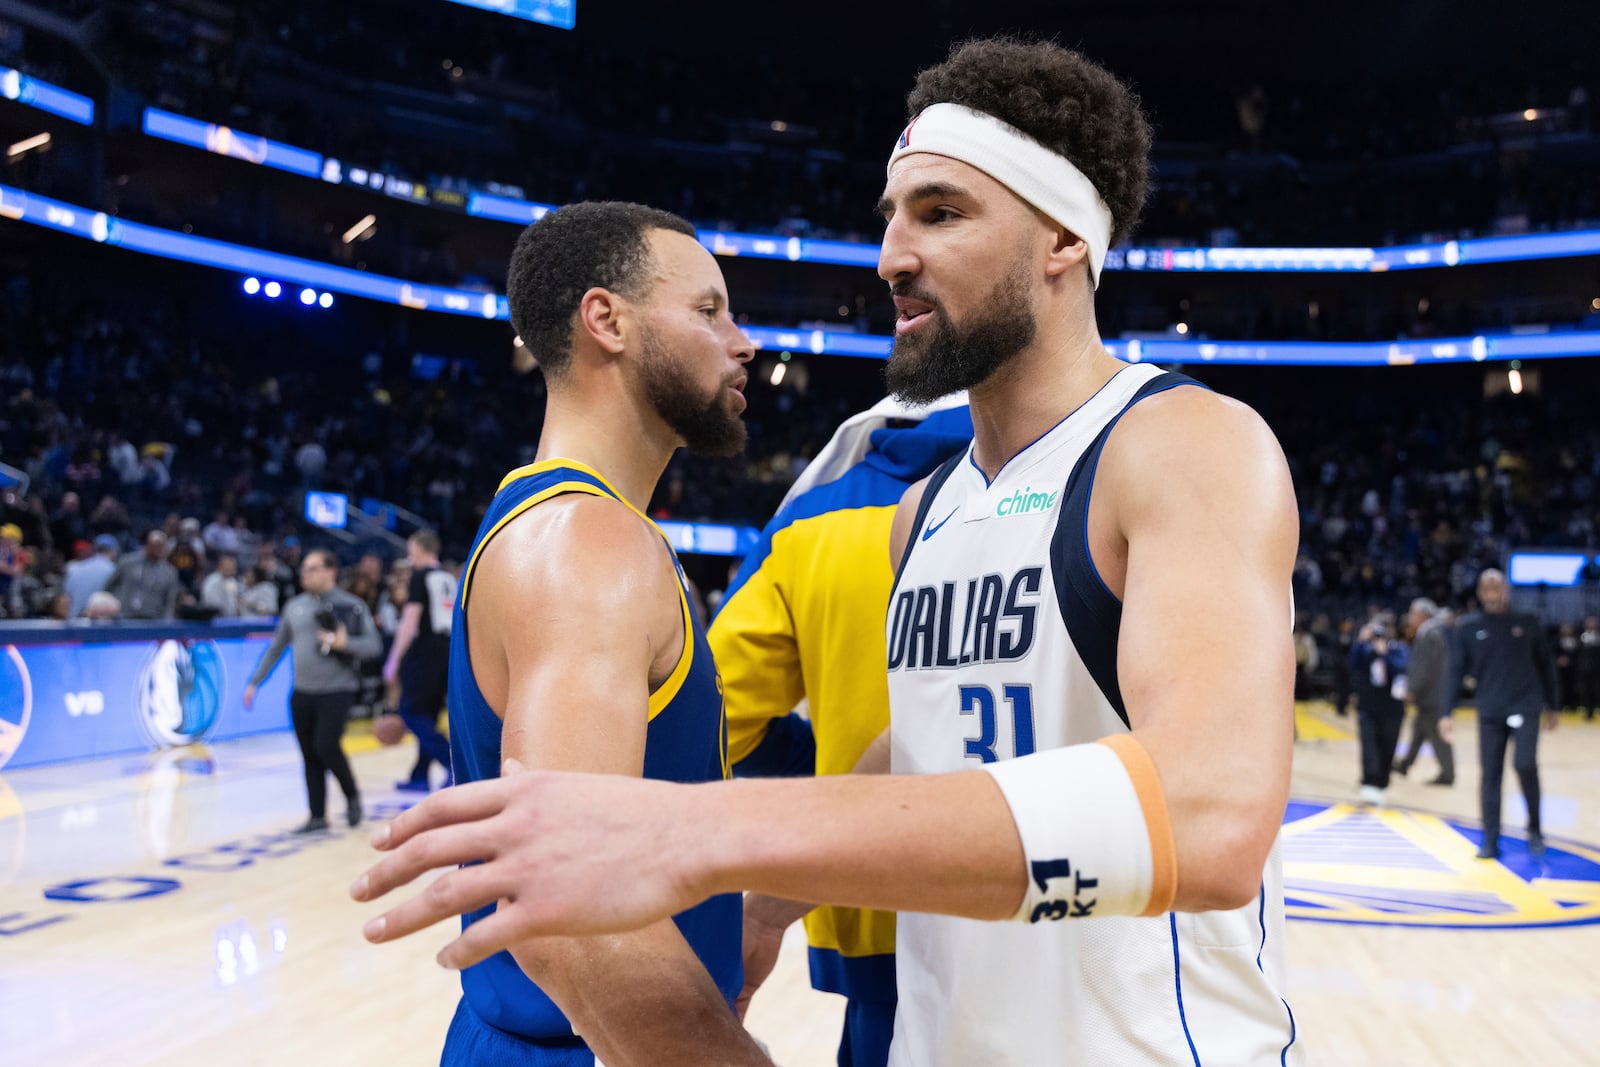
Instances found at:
x=125 y=420
x=1372 y=160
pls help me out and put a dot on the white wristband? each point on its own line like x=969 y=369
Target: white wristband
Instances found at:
x=1094 y=831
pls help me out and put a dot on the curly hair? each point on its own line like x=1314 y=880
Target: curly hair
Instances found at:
x=594 y=244
x=1067 y=103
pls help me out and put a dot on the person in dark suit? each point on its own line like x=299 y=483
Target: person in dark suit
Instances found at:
x=1507 y=653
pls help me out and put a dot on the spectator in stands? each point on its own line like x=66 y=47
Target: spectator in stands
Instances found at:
x=220 y=536
x=221 y=589
x=102 y=607
x=110 y=516
x=144 y=583
x=13 y=562
x=85 y=577
x=188 y=553
x=261 y=594
x=68 y=525
x=123 y=459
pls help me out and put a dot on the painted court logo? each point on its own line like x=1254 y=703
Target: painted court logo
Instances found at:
x=16 y=702
x=1409 y=868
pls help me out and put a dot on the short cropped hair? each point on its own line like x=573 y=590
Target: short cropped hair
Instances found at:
x=426 y=540
x=329 y=560
x=1067 y=103
x=594 y=244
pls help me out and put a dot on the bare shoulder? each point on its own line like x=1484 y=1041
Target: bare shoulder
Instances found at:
x=578 y=553
x=905 y=517
x=1191 y=445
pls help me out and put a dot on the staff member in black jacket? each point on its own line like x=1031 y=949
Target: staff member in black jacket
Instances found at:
x=1507 y=653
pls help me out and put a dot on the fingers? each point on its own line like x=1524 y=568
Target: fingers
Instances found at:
x=445 y=846
x=463 y=803
x=490 y=934
x=447 y=897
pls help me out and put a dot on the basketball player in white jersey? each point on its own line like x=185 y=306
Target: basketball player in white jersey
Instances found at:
x=1089 y=655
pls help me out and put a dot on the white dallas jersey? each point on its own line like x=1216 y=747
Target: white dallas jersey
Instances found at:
x=1002 y=641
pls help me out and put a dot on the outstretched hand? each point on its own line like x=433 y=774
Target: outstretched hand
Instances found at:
x=561 y=853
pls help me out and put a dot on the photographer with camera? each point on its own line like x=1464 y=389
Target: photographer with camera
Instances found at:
x=1378 y=669
x=331 y=631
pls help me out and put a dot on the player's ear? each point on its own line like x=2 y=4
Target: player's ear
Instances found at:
x=1067 y=250
x=602 y=318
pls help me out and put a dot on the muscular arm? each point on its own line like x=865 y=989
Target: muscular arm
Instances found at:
x=573 y=608
x=1214 y=536
x=1205 y=653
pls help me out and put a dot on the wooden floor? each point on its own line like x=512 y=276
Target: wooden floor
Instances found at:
x=153 y=911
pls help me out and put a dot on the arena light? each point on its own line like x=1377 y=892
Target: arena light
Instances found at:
x=1514 y=377
x=308 y=297
x=778 y=370
x=273 y=290
x=22 y=148
x=252 y=286
x=364 y=228
x=1181 y=328
x=325 y=300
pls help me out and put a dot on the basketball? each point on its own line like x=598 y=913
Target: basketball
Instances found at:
x=389 y=728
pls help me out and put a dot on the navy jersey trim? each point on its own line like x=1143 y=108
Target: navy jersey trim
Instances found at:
x=1091 y=612
x=1283 y=1056
x=936 y=482
x=972 y=456
x=1177 y=980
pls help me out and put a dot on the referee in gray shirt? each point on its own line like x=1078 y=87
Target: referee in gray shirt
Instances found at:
x=1507 y=653
x=330 y=631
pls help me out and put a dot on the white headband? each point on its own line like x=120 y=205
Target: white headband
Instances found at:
x=1043 y=178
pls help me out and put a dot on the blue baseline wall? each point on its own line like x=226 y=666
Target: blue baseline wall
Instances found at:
x=80 y=692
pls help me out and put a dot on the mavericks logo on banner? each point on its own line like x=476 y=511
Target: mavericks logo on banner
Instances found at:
x=180 y=691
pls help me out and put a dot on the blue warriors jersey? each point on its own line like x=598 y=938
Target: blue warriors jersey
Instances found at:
x=803 y=619
x=685 y=741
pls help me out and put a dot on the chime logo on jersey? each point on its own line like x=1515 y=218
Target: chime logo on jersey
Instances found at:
x=982 y=620
x=16 y=702
x=1409 y=868
x=1026 y=501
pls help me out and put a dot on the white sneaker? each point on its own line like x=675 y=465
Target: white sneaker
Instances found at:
x=1371 y=794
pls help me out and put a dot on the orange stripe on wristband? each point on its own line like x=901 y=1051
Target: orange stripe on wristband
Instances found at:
x=1153 y=802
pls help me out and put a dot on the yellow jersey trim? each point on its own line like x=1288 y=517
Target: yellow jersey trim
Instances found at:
x=667 y=690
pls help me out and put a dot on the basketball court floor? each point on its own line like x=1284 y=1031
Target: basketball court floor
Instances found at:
x=154 y=910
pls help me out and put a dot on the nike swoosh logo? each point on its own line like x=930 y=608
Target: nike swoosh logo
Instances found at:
x=933 y=528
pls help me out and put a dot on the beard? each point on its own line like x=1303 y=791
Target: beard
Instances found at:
x=951 y=356
x=708 y=427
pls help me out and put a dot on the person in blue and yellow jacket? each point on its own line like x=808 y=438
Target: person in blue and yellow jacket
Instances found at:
x=803 y=621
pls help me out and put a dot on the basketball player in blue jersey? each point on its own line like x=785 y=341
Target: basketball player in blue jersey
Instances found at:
x=1088 y=648
x=573 y=646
